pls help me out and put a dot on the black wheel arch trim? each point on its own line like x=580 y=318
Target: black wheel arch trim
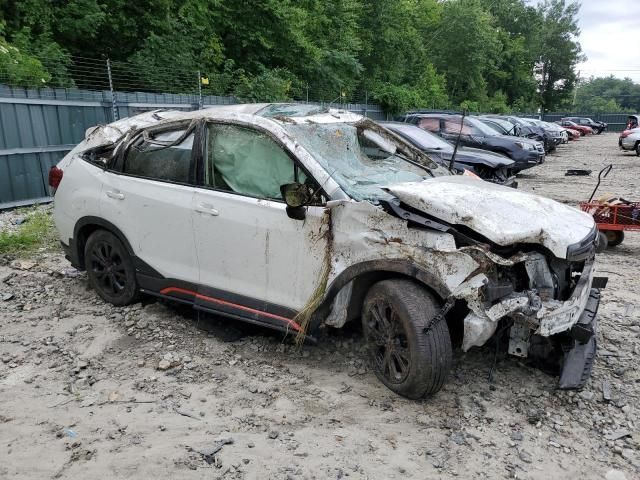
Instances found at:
x=382 y=267
x=77 y=254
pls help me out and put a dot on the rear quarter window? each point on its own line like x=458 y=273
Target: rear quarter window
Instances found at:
x=160 y=158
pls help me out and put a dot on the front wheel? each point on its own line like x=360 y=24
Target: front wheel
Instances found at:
x=638 y=149
x=408 y=354
x=110 y=268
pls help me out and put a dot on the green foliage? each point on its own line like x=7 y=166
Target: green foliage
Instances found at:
x=429 y=91
x=19 y=68
x=608 y=94
x=559 y=52
x=492 y=55
x=269 y=86
x=35 y=233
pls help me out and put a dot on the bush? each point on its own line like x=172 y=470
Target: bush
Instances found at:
x=36 y=232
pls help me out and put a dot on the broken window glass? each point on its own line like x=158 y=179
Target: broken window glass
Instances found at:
x=362 y=160
x=153 y=159
x=248 y=162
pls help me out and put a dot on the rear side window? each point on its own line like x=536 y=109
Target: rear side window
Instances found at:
x=430 y=124
x=453 y=127
x=166 y=156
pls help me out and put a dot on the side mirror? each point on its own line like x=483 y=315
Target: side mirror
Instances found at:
x=296 y=196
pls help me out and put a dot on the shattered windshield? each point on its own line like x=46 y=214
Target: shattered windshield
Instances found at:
x=362 y=158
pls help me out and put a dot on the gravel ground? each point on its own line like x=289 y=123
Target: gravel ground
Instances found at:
x=151 y=391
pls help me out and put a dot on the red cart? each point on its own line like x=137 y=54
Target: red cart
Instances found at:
x=612 y=219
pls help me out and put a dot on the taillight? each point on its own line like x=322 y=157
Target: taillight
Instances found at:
x=625 y=134
x=55 y=177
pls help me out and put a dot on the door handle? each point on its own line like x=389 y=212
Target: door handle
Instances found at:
x=207 y=208
x=115 y=194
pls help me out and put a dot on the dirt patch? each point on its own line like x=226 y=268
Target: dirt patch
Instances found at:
x=82 y=395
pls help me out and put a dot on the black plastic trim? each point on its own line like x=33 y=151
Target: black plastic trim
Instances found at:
x=585 y=248
x=579 y=360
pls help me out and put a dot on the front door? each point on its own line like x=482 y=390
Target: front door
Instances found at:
x=254 y=260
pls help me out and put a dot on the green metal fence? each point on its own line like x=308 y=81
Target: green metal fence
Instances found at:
x=39 y=127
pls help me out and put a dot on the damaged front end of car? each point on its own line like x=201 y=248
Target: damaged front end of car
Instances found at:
x=537 y=296
x=547 y=305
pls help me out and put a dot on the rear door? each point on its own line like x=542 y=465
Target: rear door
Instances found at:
x=149 y=198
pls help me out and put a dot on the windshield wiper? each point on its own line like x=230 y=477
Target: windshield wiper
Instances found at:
x=398 y=153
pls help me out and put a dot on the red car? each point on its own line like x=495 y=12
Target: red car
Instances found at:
x=573 y=134
x=583 y=129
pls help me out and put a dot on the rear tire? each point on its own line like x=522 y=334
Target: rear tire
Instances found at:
x=638 y=149
x=407 y=355
x=602 y=242
x=110 y=268
x=614 y=237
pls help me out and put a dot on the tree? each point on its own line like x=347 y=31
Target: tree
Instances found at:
x=558 y=52
x=607 y=94
x=466 y=49
x=17 y=68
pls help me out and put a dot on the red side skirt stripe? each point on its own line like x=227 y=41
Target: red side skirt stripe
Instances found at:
x=170 y=290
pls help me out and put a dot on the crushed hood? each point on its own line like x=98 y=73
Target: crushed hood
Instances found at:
x=503 y=215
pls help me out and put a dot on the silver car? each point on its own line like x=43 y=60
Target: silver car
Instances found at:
x=630 y=140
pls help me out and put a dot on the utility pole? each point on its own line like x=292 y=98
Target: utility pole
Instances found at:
x=114 y=105
x=575 y=91
x=199 y=91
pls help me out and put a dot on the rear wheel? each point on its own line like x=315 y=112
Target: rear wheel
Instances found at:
x=638 y=149
x=110 y=269
x=614 y=237
x=408 y=354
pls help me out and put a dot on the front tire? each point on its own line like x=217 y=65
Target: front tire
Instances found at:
x=638 y=149
x=110 y=268
x=407 y=354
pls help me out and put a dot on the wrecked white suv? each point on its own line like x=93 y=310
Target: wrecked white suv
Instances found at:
x=297 y=218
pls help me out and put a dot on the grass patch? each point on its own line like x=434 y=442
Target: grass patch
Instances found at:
x=36 y=233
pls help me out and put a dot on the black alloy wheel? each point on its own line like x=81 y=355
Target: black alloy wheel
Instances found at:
x=110 y=269
x=408 y=353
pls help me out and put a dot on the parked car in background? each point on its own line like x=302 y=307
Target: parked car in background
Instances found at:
x=489 y=166
x=597 y=127
x=501 y=126
x=297 y=218
x=473 y=133
x=630 y=140
x=583 y=129
x=553 y=130
x=571 y=133
x=528 y=130
x=633 y=121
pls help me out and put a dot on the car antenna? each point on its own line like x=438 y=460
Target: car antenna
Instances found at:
x=455 y=149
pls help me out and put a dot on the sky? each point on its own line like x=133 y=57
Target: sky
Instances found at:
x=610 y=37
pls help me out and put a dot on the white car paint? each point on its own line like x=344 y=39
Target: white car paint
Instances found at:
x=503 y=215
x=250 y=247
x=631 y=140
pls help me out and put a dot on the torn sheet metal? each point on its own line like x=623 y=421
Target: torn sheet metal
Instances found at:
x=503 y=215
